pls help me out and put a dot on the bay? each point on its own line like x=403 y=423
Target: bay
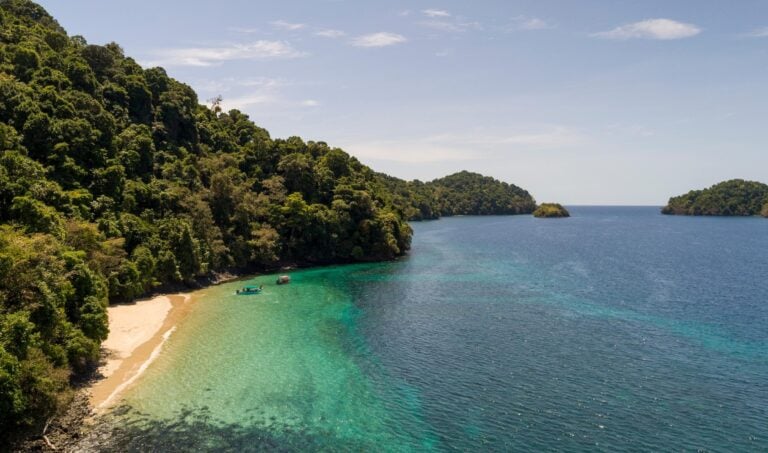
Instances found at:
x=616 y=329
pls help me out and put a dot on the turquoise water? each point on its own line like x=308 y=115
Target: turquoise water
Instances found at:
x=616 y=329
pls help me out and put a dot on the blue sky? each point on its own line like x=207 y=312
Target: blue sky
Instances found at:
x=581 y=102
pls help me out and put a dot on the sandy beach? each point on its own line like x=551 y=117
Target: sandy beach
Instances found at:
x=137 y=332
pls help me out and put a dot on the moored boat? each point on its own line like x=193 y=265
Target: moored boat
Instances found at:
x=250 y=289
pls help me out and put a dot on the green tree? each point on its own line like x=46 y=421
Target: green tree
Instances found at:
x=37 y=217
x=114 y=181
x=729 y=198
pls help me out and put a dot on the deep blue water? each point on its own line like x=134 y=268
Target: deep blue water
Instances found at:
x=617 y=329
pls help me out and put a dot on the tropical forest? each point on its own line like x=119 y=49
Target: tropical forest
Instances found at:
x=116 y=181
x=736 y=197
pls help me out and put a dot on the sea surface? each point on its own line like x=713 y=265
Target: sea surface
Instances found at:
x=617 y=329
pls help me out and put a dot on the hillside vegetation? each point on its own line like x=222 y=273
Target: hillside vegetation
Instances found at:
x=462 y=193
x=115 y=180
x=729 y=198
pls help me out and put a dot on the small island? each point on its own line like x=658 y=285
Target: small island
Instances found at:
x=736 y=197
x=551 y=210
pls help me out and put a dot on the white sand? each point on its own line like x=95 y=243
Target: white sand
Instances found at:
x=130 y=326
x=137 y=333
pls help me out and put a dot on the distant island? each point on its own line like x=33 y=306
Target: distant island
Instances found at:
x=736 y=197
x=115 y=182
x=462 y=193
x=551 y=210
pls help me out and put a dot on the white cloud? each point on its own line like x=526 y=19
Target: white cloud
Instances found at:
x=249 y=100
x=211 y=56
x=436 y=13
x=256 y=95
x=287 y=25
x=450 y=26
x=244 y=30
x=382 y=39
x=662 y=29
x=630 y=130
x=539 y=137
x=210 y=87
x=404 y=151
x=759 y=33
x=257 y=91
x=531 y=23
x=442 y=20
x=464 y=147
x=329 y=33
x=262 y=82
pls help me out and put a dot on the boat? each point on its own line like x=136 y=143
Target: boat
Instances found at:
x=283 y=280
x=250 y=289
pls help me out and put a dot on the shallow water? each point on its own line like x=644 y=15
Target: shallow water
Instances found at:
x=615 y=329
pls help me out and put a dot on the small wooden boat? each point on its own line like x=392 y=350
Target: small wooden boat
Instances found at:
x=283 y=280
x=250 y=289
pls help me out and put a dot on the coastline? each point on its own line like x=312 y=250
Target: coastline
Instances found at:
x=139 y=329
x=128 y=351
x=137 y=333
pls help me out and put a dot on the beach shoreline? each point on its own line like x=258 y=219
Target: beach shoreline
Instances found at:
x=137 y=333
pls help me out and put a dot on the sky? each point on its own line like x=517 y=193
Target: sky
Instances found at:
x=579 y=102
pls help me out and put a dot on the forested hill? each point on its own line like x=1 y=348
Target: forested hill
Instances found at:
x=729 y=198
x=466 y=193
x=114 y=180
x=462 y=193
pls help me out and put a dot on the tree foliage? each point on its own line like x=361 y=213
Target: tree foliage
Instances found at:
x=114 y=179
x=551 y=210
x=462 y=193
x=729 y=198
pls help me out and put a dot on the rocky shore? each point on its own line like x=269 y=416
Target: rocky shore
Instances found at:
x=64 y=432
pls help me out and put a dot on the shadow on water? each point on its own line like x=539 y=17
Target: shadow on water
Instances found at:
x=128 y=430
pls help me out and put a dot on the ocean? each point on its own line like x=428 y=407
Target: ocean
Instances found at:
x=617 y=329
